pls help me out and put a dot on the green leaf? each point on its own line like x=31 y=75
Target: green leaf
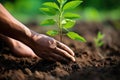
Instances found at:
x=76 y=36
x=48 y=11
x=99 y=39
x=51 y=4
x=48 y=22
x=52 y=32
x=100 y=44
x=71 y=5
x=61 y=1
x=100 y=35
x=71 y=16
x=68 y=23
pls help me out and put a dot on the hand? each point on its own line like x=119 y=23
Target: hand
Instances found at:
x=51 y=49
x=44 y=46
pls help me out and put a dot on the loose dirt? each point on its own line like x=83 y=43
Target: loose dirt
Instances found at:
x=91 y=63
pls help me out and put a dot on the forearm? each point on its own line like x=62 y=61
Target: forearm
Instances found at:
x=9 y=26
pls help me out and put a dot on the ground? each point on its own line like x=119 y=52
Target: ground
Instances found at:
x=91 y=63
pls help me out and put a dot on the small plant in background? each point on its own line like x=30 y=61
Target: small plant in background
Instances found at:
x=99 y=39
x=60 y=10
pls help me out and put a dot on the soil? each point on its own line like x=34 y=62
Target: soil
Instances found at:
x=92 y=63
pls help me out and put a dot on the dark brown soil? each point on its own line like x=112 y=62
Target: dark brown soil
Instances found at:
x=91 y=63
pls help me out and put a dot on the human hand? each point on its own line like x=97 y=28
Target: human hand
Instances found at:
x=51 y=49
x=44 y=46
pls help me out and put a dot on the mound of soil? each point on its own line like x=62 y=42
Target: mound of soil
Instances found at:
x=91 y=63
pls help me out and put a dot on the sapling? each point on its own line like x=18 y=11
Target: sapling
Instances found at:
x=99 y=39
x=99 y=42
x=60 y=11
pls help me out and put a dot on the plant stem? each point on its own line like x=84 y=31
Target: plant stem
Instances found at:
x=60 y=22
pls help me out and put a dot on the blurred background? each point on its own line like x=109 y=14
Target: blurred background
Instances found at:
x=90 y=10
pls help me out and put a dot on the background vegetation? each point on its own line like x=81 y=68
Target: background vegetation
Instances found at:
x=89 y=10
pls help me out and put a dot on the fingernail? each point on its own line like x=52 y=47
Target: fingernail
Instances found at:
x=73 y=59
x=73 y=54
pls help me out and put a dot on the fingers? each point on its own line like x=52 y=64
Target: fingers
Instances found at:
x=56 y=51
x=63 y=53
x=53 y=57
x=57 y=57
x=46 y=56
x=64 y=47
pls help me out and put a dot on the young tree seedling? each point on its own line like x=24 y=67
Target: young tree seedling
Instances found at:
x=99 y=42
x=64 y=18
x=99 y=39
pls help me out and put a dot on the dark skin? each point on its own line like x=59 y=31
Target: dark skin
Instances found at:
x=18 y=48
x=42 y=46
